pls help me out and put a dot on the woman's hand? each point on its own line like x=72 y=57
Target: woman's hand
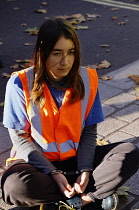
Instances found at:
x=63 y=185
x=81 y=182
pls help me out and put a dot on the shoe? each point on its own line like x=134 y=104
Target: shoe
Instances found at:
x=110 y=203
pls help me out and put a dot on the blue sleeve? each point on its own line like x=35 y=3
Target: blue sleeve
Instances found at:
x=15 y=115
x=96 y=114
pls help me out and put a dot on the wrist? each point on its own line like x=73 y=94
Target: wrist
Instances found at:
x=86 y=170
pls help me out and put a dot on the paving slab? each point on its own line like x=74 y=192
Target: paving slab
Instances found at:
x=132 y=128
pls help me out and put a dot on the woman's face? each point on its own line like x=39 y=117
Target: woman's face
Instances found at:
x=61 y=59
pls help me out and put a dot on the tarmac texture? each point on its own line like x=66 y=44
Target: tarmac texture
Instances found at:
x=121 y=109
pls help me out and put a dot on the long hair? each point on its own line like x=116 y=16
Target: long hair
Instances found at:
x=49 y=33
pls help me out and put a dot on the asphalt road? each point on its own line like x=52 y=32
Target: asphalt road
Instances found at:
x=117 y=28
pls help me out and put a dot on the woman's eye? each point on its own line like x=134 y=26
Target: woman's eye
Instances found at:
x=56 y=54
x=71 y=52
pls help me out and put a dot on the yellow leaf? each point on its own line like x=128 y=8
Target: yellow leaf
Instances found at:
x=41 y=11
x=28 y=44
x=1 y=103
x=114 y=9
x=134 y=77
x=23 y=24
x=1 y=43
x=16 y=8
x=23 y=61
x=101 y=142
x=44 y=3
x=32 y=31
x=81 y=27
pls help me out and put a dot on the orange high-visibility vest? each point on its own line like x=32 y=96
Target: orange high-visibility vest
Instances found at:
x=58 y=131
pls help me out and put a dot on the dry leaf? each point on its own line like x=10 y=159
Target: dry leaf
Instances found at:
x=114 y=9
x=23 y=24
x=1 y=43
x=101 y=142
x=105 y=77
x=134 y=77
x=6 y=75
x=104 y=64
x=44 y=3
x=16 y=8
x=32 y=31
x=81 y=27
x=74 y=22
x=104 y=45
x=1 y=103
x=41 y=11
x=137 y=88
x=26 y=65
x=16 y=66
x=137 y=98
x=121 y=23
x=108 y=50
x=114 y=18
x=23 y=61
x=123 y=190
x=93 y=15
x=28 y=44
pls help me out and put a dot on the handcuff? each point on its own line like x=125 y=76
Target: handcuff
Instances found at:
x=56 y=171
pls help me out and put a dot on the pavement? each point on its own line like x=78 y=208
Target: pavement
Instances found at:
x=121 y=110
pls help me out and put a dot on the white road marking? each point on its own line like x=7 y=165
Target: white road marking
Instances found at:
x=118 y=4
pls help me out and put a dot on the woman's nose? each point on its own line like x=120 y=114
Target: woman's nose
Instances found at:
x=64 y=60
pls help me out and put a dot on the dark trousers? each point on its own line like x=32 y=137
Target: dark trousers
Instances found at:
x=23 y=185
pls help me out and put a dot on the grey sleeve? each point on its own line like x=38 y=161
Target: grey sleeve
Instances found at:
x=29 y=151
x=87 y=145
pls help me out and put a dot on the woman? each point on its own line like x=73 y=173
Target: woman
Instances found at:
x=51 y=111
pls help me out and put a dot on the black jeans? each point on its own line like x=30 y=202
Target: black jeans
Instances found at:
x=23 y=185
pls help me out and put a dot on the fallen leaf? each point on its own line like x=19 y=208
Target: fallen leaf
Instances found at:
x=1 y=103
x=16 y=66
x=114 y=9
x=123 y=190
x=32 y=31
x=114 y=18
x=23 y=61
x=137 y=98
x=74 y=22
x=81 y=27
x=105 y=77
x=41 y=11
x=28 y=44
x=121 y=23
x=137 y=88
x=16 y=8
x=108 y=50
x=23 y=24
x=104 y=45
x=44 y=3
x=1 y=43
x=6 y=75
x=26 y=65
x=104 y=64
x=93 y=15
x=134 y=77
x=101 y=142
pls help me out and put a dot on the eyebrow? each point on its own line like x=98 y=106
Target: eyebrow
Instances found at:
x=61 y=50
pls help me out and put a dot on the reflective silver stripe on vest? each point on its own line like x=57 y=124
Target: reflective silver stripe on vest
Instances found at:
x=84 y=103
x=34 y=115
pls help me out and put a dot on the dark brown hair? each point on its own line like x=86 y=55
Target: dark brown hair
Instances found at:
x=49 y=33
